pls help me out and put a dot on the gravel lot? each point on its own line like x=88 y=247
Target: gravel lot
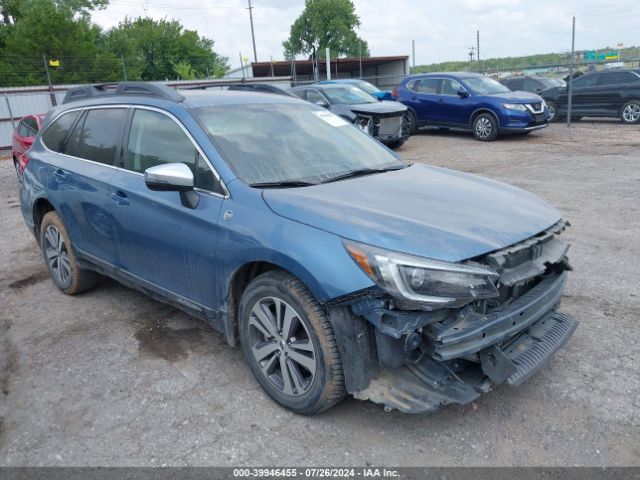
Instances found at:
x=112 y=377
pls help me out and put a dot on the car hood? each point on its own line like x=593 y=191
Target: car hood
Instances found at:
x=384 y=107
x=519 y=96
x=422 y=210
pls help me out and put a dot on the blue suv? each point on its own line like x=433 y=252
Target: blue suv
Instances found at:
x=335 y=266
x=470 y=101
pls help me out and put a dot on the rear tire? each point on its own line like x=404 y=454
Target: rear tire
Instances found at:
x=60 y=259
x=289 y=344
x=485 y=127
x=630 y=112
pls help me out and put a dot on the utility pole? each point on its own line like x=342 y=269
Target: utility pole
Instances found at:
x=46 y=69
x=124 y=69
x=478 y=47
x=573 y=46
x=327 y=54
x=360 y=57
x=253 y=37
x=413 y=55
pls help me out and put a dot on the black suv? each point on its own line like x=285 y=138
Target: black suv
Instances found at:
x=602 y=94
x=531 y=84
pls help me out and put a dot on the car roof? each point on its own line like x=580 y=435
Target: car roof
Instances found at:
x=192 y=99
x=446 y=74
x=320 y=86
x=341 y=80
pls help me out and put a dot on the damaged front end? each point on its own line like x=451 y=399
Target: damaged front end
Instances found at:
x=386 y=127
x=433 y=334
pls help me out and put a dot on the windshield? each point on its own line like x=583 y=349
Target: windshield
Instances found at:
x=368 y=87
x=485 y=86
x=348 y=96
x=273 y=143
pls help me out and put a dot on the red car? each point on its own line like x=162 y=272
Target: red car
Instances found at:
x=23 y=137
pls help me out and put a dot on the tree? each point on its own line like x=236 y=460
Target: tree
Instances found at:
x=58 y=29
x=162 y=49
x=322 y=24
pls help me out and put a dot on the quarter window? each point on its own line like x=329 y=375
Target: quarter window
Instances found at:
x=155 y=139
x=57 y=132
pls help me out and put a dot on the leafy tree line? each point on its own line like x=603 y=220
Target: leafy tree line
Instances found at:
x=514 y=63
x=140 y=49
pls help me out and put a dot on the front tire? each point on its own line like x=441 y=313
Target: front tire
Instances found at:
x=553 y=112
x=485 y=127
x=630 y=112
x=289 y=344
x=396 y=144
x=60 y=259
x=410 y=123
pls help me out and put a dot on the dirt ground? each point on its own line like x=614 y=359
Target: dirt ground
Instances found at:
x=112 y=377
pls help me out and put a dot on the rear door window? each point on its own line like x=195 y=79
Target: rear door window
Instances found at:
x=155 y=139
x=56 y=133
x=426 y=85
x=617 y=78
x=97 y=135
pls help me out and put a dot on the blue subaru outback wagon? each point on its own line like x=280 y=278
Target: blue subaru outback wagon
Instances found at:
x=335 y=266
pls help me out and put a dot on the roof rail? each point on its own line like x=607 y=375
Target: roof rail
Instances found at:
x=123 y=88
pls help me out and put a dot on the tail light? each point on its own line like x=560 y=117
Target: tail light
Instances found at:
x=23 y=161
x=394 y=92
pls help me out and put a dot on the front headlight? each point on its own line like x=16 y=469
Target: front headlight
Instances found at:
x=514 y=106
x=431 y=283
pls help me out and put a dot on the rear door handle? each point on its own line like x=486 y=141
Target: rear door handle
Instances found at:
x=440 y=100
x=60 y=174
x=120 y=198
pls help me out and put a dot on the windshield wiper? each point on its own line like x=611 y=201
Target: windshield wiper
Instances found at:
x=283 y=184
x=361 y=172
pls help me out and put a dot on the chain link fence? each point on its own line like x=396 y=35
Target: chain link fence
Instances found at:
x=585 y=90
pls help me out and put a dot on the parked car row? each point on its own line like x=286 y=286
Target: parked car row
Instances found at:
x=335 y=266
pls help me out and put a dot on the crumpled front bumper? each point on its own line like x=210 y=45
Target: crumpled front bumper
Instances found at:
x=471 y=353
x=426 y=385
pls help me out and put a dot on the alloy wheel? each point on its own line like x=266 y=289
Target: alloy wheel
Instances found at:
x=483 y=127
x=57 y=256
x=282 y=347
x=631 y=113
x=552 y=113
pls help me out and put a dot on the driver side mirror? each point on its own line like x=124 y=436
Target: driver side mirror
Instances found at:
x=463 y=93
x=322 y=103
x=173 y=177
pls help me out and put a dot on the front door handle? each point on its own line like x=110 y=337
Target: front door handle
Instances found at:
x=60 y=174
x=440 y=100
x=120 y=198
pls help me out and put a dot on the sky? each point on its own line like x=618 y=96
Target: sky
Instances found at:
x=442 y=30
